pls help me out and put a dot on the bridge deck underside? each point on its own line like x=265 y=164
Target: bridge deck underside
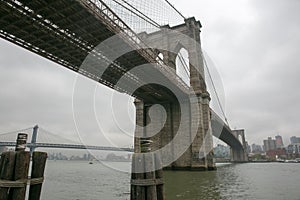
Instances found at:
x=223 y=132
x=66 y=31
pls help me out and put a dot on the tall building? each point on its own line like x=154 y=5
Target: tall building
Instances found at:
x=256 y=148
x=269 y=144
x=295 y=140
x=279 y=142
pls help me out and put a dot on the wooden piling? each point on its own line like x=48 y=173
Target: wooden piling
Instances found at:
x=150 y=175
x=21 y=142
x=21 y=174
x=21 y=167
x=159 y=176
x=38 y=168
x=14 y=168
x=7 y=165
x=146 y=177
x=137 y=192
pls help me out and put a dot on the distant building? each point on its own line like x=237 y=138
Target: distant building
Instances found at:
x=277 y=153
x=295 y=140
x=279 y=141
x=113 y=157
x=269 y=144
x=256 y=148
x=293 y=150
x=290 y=149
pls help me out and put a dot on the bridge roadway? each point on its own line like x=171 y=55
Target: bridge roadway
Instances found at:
x=66 y=31
x=68 y=146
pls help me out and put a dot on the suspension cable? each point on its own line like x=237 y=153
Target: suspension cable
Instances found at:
x=17 y=131
x=147 y=17
x=172 y=6
x=138 y=13
x=215 y=90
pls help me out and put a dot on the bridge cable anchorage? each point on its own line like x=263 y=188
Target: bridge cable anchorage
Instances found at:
x=172 y=6
x=214 y=88
x=138 y=13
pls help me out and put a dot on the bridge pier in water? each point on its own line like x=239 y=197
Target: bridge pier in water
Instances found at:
x=198 y=153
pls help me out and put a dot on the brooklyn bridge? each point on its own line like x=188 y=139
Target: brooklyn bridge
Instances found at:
x=94 y=39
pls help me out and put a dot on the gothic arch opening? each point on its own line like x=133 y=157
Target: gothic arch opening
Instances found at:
x=240 y=137
x=183 y=65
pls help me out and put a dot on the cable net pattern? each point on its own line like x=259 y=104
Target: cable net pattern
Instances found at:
x=145 y=15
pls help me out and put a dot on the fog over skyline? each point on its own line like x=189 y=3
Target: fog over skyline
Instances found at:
x=254 y=45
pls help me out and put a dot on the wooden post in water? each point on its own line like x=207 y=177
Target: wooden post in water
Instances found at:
x=7 y=166
x=14 y=168
x=146 y=177
x=21 y=167
x=159 y=176
x=38 y=168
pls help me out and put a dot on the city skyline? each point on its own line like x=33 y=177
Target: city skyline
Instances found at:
x=273 y=137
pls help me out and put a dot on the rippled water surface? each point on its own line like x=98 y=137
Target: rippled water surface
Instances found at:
x=70 y=180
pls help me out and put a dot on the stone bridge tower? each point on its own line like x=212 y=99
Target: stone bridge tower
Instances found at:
x=198 y=156
x=239 y=154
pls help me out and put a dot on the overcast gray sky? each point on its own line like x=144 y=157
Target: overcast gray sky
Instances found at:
x=253 y=43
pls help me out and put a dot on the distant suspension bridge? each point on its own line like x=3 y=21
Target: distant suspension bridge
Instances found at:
x=57 y=142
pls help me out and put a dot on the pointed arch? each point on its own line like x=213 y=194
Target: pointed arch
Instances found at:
x=183 y=65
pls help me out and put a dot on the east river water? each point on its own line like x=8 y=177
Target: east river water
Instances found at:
x=72 y=180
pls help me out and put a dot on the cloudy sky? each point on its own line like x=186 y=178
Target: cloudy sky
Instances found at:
x=254 y=45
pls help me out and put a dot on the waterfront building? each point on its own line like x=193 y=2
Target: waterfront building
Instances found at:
x=279 y=141
x=276 y=153
x=295 y=140
x=293 y=150
x=290 y=149
x=269 y=144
